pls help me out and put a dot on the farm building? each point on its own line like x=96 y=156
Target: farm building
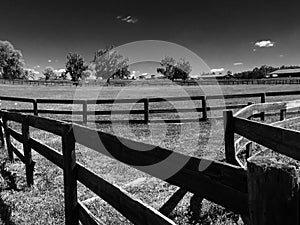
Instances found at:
x=285 y=73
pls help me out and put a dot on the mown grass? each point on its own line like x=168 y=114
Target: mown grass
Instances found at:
x=43 y=203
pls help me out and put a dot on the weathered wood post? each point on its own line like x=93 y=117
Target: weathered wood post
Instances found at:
x=282 y=114
x=35 y=107
x=84 y=112
x=29 y=165
x=146 y=110
x=273 y=192
x=204 y=108
x=229 y=137
x=172 y=202
x=249 y=149
x=1 y=134
x=7 y=138
x=70 y=180
x=263 y=100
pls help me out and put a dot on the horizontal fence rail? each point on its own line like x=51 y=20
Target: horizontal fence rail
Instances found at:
x=273 y=186
x=145 y=112
x=220 y=182
x=203 y=81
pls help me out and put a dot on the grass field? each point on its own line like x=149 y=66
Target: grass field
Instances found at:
x=43 y=203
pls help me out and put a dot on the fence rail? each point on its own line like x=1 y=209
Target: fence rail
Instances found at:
x=265 y=81
x=267 y=178
x=222 y=183
x=146 y=109
x=229 y=184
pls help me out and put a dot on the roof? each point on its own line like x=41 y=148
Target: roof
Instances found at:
x=286 y=71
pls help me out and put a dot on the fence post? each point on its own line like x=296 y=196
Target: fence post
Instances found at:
x=229 y=137
x=84 y=112
x=249 y=148
x=273 y=192
x=146 y=110
x=263 y=100
x=29 y=165
x=282 y=114
x=35 y=107
x=7 y=138
x=204 y=108
x=1 y=135
x=70 y=180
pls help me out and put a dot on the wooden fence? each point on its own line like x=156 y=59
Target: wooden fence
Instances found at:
x=264 y=192
x=222 y=183
x=265 y=81
x=146 y=110
x=273 y=187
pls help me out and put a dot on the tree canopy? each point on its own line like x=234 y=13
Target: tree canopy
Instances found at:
x=108 y=62
x=75 y=66
x=11 y=61
x=49 y=73
x=261 y=72
x=174 y=70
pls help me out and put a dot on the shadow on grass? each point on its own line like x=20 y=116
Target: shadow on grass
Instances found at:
x=5 y=213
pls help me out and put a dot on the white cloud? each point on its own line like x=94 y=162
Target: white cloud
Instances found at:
x=60 y=71
x=265 y=44
x=49 y=60
x=281 y=56
x=37 y=66
x=238 y=64
x=33 y=71
x=254 y=49
x=128 y=19
x=217 y=70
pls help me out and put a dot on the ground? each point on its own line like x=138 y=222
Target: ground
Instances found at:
x=43 y=203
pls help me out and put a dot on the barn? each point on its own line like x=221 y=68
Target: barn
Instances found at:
x=285 y=73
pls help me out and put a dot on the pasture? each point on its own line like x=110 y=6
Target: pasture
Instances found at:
x=45 y=201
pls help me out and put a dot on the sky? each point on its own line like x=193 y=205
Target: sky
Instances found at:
x=218 y=35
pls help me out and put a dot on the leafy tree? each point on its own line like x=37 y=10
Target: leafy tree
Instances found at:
x=108 y=61
x=11 y=61
x=167 y=60
x=28 y=74
x=75 y=66
x=173 y=70
x=256 y=73
x=184 y=65
x=122 y=73
x=49 y=73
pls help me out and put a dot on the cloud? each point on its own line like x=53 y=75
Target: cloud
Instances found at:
x=217 y=70
x=60 y=71
x=49 y=60
x=128 y=19
x=37 y=66
x=33 y=71
x=238 y=64
x=265 y=44
x=281 y=56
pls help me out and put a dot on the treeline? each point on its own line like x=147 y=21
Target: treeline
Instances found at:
x=262 y=72
x=107 y=63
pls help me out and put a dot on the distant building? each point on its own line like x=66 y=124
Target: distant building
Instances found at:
x=284 y=73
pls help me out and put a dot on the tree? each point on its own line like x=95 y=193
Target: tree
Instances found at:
x=122 y=73
x=28 y=74
x=184 y=65
x=49 y=73
x=107 y=62
x=167 y=60
x=173 y=70
x=75 y=66
x=11 y=61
